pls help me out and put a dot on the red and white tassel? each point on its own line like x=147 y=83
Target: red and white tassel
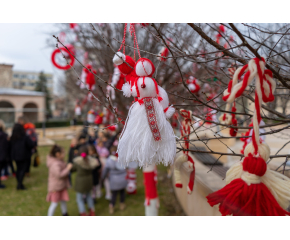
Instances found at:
x=185 y=160
x=252 y=189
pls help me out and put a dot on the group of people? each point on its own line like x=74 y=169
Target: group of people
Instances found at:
x=18 y=147
x=92 y=155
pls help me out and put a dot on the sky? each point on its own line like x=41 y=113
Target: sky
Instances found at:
x=25 y=46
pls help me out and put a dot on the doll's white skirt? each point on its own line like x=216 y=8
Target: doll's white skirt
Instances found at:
x=137 y=142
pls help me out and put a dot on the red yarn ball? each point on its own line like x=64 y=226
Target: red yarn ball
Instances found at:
x=124 y=68
x=255 y=165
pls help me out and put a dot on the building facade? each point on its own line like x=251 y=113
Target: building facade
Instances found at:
x=27 y=80
x=6 y=75
x=17 y=102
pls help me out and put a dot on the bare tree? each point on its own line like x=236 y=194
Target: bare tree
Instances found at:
x=205 y=51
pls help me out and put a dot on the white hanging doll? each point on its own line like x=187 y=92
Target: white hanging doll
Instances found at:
x=147 y=136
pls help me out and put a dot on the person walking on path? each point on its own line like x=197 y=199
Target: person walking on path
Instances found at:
x=84 y=165
x=58 y=182
x=117 y=179
x=21 y=147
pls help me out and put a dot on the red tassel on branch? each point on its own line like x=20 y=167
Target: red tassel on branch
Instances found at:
x=240 y=199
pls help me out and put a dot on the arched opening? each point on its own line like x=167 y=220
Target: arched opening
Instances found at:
x=7 y=113
x=30 y=112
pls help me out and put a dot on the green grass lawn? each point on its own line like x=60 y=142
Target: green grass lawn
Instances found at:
x=32 y=202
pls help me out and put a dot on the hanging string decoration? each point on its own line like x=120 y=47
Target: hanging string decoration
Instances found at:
x=118 y=80
x=219 y=35
x=126 y=66
x=252 y=188
x=230 y=118
x=247 y=136
x=210 y=115
x=99 y=119
x=74 y=26
x=147 y=136
x=163 y=54
x=67 y=54
x=192 y=84
x=90 y=80
x=59 y=52
x=185 y=160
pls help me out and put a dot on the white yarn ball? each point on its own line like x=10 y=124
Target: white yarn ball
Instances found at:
x=143 y=68
x=119 y=58
x=263 y=150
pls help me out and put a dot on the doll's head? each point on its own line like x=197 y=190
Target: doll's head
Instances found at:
x=145 y=85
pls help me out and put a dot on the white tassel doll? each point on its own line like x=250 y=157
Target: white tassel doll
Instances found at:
x=147 y=137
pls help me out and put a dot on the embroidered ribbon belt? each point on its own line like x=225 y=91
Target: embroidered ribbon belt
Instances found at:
x=151 y=117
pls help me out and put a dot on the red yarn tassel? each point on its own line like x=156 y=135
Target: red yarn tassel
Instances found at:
x=240 y=199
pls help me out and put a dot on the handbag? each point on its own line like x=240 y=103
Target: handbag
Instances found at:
x=36 y=159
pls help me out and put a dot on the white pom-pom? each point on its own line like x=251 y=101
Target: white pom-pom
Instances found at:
x=143 y=68
x=119 y=58
x=126 y=90
x=134 y=91
x=170 y=111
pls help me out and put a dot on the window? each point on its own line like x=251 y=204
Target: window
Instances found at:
x=23 y=76
x=15 y=75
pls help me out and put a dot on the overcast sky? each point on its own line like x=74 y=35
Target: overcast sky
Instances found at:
x=24 y=45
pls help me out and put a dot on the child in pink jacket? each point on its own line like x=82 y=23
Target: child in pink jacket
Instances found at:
x=58 y=181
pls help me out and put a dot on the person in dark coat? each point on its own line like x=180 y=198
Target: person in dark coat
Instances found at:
x=4 y=149
x=20 y=146
x=74 y=148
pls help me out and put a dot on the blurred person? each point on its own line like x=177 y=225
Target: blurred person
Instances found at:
x=96 y=192
x=21 y=147
x=30 y=131
x=76 y=143
x=58 y=181
x=4 y=149
x=103 y=152
x=117 y=178
x=84 y=166
x=21 y=120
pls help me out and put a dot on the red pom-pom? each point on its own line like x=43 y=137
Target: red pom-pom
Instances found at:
x=255 y=165
x=124 y=68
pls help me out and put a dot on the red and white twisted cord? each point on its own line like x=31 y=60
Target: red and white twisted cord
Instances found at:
x=265 y=86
